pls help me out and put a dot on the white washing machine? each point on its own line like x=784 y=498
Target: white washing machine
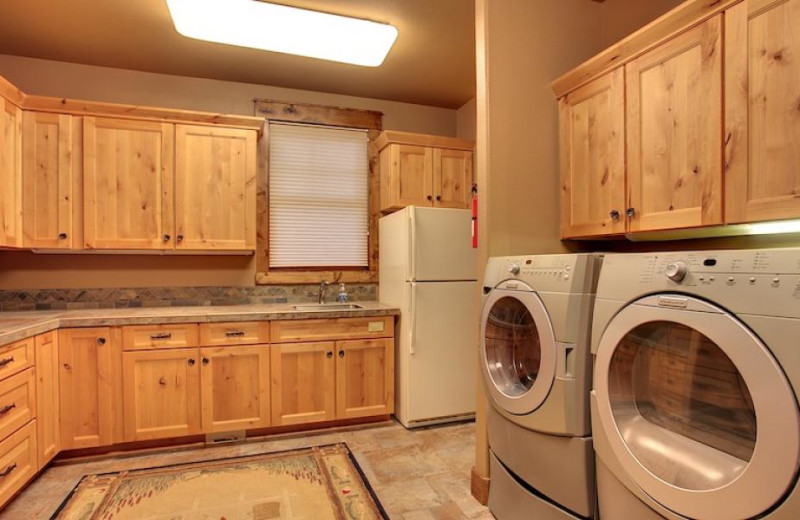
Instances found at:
x=697 y=369
x=536 y=365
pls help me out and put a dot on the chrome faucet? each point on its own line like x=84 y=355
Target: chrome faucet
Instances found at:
x=323 y=286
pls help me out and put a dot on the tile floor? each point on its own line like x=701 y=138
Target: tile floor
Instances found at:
x=417 y=475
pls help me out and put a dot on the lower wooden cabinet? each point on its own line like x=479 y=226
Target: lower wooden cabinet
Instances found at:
x=48 y=434
x=234 y=388
x=86 y=395
x=364 y=378
x=303 y=383
x=17 y=461
x=17 y=401
x=161 y=390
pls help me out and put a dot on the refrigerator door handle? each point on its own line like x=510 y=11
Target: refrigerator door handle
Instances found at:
x=412 y=324
x=411 y=275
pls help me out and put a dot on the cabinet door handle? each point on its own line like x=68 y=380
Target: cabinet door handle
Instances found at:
x=166 y=238
x=192 y=362
x=180 y=238
x=614 y=215
x=329 y=354
x=7 y=408
x=630 y=212
x=206 y=361
x=101 y=341
x=161 y=335
x=5 y=361
x=429 y=197
x=234 y=333
x=162 y=381
x=438 y=198
x=62 y=236
x=341 y=353
x=6 y=472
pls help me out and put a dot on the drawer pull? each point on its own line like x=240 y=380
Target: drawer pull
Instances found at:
x=234 y=333
x=5 y=361
x=6 y=472
x=161 y=335
x=7 y=408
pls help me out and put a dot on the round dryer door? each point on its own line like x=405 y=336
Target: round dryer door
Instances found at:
x=518 y=352
x=696 y=409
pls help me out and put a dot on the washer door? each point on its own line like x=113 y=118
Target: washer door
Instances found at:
x=696 y=409
x=518 y=350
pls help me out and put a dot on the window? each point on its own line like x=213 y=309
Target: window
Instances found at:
x=318 y=197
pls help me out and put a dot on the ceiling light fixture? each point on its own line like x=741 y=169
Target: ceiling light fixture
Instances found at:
x=280 y=28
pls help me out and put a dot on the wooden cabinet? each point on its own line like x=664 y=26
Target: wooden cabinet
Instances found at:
x=128 y=184
x=592 y=134
x=420 y=170
x=234 y=333
x=303 y=383
x=17 y=401
x=10 y=174
x=148 y=337
x=234 y=387
x=215 y=188
x=287 y=331
x=762 y=96
x=364 y=378
x=674 y=136
x=50 y=179
x=86 y=377
x=17 y=461
x=48 y=433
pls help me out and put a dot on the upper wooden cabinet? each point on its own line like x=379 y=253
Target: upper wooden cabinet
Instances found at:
x=422 y=170
x=128 y=184
x=51 y=172
x=215 y=188
x=592 y=133
x=762 y=116
x=674 y=136
x=10 y=174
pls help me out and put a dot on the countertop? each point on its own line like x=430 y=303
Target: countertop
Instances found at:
x=20 y=325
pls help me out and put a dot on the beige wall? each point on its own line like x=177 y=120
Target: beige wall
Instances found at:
x=466 y=120
x=619 y=18
x=23 y=270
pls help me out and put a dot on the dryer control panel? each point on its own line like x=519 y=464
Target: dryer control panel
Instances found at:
x=554 y=273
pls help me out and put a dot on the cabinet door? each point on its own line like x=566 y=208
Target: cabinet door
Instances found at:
x=235 y=388
x=215 y=188
x=10 y=175
x=47 y=409
x=50 y=172
x=128 y=184
x=592 y=140
x=406 y=176
x=674 y=132
x=161 y=390
x=364 y=378
x=303 y=383
x=762 y=96
x=452 y=178
x=85 y=375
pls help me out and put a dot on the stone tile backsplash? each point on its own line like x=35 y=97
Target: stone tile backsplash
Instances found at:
x=65 y=299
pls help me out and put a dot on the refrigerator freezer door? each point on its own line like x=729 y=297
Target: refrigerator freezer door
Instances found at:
x=441 y=363
x=442 y=245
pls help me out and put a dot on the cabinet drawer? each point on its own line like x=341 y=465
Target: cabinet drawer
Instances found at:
x=16 y=357
x=332 y=329
x=17 y=401
x=17 y=461
x=145 y=337
x=233 y=333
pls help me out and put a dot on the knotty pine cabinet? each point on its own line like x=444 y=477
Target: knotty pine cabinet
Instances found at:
x=420 y=170
x=51 y=175
x=303 y=383
x=48 y=431
x=10 y=174
x=364 y=378
x=87 y=377
x=762 y=111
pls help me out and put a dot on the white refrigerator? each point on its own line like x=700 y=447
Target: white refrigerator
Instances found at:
x=428 y=269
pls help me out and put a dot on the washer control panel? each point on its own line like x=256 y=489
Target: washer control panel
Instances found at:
x=558 y=273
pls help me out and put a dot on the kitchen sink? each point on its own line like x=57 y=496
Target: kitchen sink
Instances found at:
x=326 y=306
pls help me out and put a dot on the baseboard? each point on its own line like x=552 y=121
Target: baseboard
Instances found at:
x=480 y=487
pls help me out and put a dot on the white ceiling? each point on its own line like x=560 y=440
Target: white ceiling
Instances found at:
x=432 y=62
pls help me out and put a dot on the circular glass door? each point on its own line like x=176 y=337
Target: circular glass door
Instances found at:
x=518 y=350
x=697 y=410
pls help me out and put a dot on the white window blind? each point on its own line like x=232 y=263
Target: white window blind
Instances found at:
x=318 y=196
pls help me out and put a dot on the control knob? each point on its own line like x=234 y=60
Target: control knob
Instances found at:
x=514 y=269
x=676 y=271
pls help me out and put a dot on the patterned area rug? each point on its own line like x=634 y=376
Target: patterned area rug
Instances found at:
x=312 y=484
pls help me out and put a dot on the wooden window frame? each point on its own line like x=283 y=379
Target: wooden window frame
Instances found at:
x=278 y=111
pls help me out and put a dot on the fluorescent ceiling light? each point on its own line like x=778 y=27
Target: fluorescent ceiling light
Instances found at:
x=279 y=28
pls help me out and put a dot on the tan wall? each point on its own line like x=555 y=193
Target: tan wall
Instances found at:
x=619 y=18
x=24 y=270
x=466 y=120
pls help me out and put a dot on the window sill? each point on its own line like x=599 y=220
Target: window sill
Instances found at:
x=306 y=277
